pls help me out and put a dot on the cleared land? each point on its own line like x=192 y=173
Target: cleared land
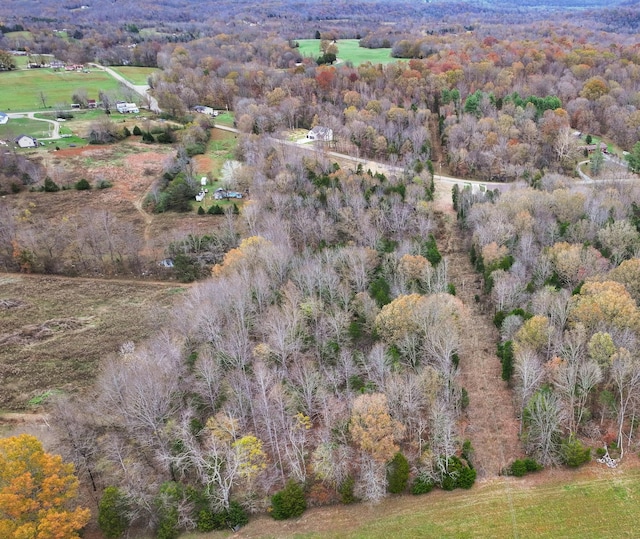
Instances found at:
x=55 y=330
x=591 y=502
x=348 y=51
x=136 y=75
x=22 y=90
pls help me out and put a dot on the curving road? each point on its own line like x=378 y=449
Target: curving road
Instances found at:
x=140 y=89
x=54 y=129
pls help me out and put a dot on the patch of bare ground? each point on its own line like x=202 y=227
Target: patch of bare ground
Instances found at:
x=490 y=421
x=54 y=340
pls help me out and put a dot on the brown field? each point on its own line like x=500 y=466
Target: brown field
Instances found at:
x=55 y=330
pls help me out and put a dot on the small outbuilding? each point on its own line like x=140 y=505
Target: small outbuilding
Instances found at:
x=25 y=141
x=4 y=118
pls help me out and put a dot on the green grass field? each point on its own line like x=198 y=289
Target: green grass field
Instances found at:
x=348 y=51
x=136 y=75
x=21 y=90
x=570 y=506
x=25 y=126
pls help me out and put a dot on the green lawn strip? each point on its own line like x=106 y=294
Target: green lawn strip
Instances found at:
x=577 y=507
x=349 y=50
x=136 y=75
x=21 y=90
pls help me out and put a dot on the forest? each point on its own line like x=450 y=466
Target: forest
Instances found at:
x=479 y=197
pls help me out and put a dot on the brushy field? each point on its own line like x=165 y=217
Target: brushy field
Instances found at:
x=136 y=75
x=348 y=51
x=55 y=330
x=21 y=90
x=594 y=502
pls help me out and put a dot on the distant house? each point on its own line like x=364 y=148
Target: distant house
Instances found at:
x=127 y=108
x=204 y=110
x=593 y=147
x=320 y=133
x=25 y=141
x=4 y=118
x=91 y=104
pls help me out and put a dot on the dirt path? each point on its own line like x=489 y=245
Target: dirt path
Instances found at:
x=491 y=423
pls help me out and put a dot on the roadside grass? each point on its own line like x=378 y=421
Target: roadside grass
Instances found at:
x=348 y=51
x=54 y=339
x=596 y=503
x=136 y=75
x=21 y=90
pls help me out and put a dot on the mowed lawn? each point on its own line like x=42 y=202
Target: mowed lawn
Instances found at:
x=348 y=51
x=136 y=75
x=21 y=90
x=595 y=502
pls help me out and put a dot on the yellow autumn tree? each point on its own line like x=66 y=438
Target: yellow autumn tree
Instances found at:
x=604 y=304
x=37 y=493
x=247 y=253
x=372 y=429
x=398 y=318
x=628 y=273
x=533 y=335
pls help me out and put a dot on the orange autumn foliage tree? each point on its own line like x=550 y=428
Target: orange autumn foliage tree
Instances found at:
x=37 y=492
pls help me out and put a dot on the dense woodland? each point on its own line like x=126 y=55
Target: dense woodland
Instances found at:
x=319 y=358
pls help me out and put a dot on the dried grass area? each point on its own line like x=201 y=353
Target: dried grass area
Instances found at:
x=60 y=328
x=490 y=421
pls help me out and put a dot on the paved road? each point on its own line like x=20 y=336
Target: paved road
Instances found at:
x=140 y=89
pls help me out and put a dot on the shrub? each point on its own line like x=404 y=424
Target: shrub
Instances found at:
x=137 y=131
x=113 y=509
x=346 y=491
x=103 y=184
x=521 y=467
x=466 y=478
x=422 y=485
x=289 y=502
x=518 y=468
x=451 y=289
x=398 y=474
x=233 y=518
x=201 y=210
x=82 y=185
x=574 y=453
x=167 y=510
x=50 y=186
x=215 y=210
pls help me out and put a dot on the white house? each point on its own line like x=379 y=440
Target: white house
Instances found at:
x=4 y=118
x=320 y=133
x=202 y=109
x=25 y=141
x=127 y=108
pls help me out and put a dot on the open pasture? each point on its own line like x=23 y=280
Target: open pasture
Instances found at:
x=136 y=75
x=348 y=51
x=42 y=89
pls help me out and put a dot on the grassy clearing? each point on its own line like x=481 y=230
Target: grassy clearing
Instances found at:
x=55 y=331
x=21 y=90
x=348 y=51
x=596 y=502
x=136 y=75
x=25 y=126
x=225 y=118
